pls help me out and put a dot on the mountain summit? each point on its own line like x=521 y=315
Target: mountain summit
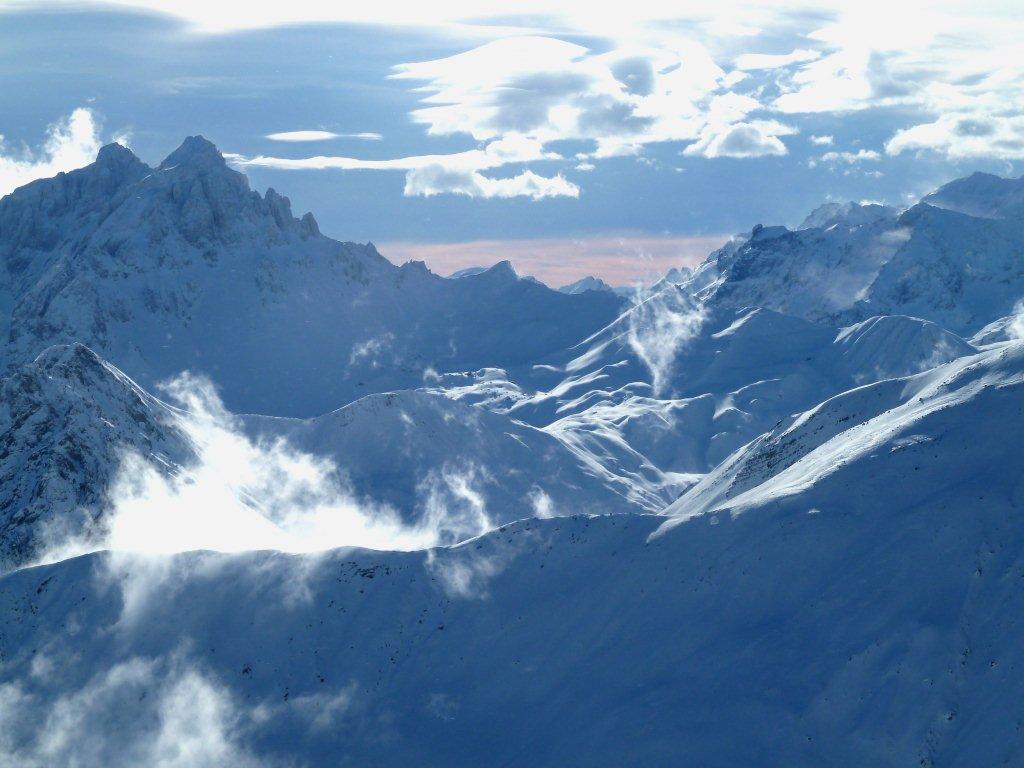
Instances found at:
x=196 y=152
x=185 y=267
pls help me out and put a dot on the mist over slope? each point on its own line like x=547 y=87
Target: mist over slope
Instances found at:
x=268 y=499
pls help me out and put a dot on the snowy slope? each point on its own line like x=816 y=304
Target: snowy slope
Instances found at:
x=417 y=451
x=815 y=273
x=960 y=271
x=671 y=389
x=890 y=346
x=833 y=578
x=70 y=421
x=184 y=267
x=981 y=194
x=902 y=440
x=867 y=617
x=953 y=259
x=847 y=215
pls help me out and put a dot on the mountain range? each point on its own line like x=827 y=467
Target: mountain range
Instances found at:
x=268 y=499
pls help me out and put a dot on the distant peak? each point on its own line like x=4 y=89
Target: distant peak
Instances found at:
x=501 y=272
x=466 y=272
x=761 y=232
x=194 y=151
x=980 y=194
x=848 y=214
x=588 y=283
x=116 y=154
x=310 y=227
x=413 y=265
x=504 y=268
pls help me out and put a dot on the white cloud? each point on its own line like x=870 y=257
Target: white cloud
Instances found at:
x=372 y=350
x=850 y=158
x=517 y=95
x=963 y=136
x=834 y=83
x=1015 y=326
x=752 y=61
x=514 y=148
x=652 y=85
x=959 y=65
x=437 y=179
x=753 y=139
x=651 y=82
x=457 y=173
x=302 y=136
x=71 y=142
x=549 y=89
x=623 y=99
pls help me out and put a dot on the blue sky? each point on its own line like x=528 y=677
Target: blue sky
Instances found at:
x=571 y=140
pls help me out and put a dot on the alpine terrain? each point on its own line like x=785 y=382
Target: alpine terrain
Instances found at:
x=268 y=499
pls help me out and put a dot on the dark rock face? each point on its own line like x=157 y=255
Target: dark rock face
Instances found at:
x=65 y=421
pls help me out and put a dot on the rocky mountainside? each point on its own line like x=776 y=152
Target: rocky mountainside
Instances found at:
x=184 y=267
x=66 y=421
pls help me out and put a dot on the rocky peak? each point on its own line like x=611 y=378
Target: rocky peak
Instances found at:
x=76 y=365
x=761 y=233
x=980 y=194
x=588 y=283
x=503 y=270
x=848 y=214
x=116 y=155
x=197 y=152
x=308 y=225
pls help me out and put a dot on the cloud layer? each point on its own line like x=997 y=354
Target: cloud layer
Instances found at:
x=955 y=69
x=551 y=92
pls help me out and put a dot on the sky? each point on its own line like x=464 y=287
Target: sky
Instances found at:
x=567 y=139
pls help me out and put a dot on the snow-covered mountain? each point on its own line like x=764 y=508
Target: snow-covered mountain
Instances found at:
x=850 y=262
x=70 y=421
x=467 y=272
x=858 y=604
x=66 y=420
x=895 y=432
x=415 y=449
x=184 y=267
x=673 y=387
x=982 y=195
x=847 y=214
x=589 y=283
x=763 y=512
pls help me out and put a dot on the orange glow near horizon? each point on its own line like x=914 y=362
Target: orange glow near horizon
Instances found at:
x=624 y=260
